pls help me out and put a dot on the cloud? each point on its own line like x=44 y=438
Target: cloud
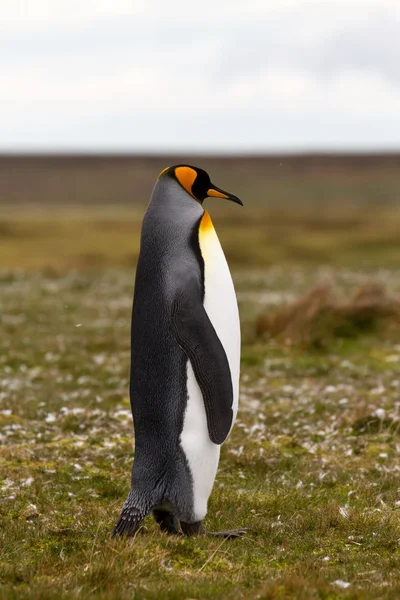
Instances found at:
x=145 y=73
x=319 y=38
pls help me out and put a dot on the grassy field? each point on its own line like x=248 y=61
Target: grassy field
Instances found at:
x=311 y=467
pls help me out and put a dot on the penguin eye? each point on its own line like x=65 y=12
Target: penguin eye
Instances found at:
x=201 y=185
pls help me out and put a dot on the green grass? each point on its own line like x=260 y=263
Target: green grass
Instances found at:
x=254 y=237
x=85 y=212
x=311 y=467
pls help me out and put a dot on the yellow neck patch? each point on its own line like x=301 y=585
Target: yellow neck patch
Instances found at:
x=208 y=240
x=186 y=177
x=206 y=224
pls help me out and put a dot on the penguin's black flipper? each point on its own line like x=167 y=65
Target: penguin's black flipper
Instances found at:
x=197 y=337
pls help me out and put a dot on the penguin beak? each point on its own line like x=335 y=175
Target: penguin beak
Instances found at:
x=215 y=192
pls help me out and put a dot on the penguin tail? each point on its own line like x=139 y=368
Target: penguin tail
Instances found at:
x=131 y=518
x=128 y=524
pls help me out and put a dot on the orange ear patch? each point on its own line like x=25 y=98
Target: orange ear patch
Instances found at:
x=186 y=177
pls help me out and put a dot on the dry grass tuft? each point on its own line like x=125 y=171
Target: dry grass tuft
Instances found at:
x=319 y=316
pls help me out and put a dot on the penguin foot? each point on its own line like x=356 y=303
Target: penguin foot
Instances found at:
x=190 y=529
x=167 y=521
x=229 y=534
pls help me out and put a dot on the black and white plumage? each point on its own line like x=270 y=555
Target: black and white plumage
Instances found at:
x=185 y=356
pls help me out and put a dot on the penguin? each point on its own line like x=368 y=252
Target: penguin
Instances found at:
x=185 y=357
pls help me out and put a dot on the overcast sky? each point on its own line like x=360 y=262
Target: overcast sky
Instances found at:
x=215 y=75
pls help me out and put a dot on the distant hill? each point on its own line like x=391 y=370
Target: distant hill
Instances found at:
x=70 y=180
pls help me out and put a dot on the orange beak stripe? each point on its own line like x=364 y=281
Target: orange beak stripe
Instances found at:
x=214 y=194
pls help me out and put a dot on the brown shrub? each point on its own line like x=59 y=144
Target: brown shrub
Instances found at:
x=319 y=316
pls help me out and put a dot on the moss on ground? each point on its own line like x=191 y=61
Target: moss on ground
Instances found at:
x=311 y=467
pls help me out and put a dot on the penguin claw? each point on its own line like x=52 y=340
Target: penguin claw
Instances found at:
x=229 y=534
x=196 y=528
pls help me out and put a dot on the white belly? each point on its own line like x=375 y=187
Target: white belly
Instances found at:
x=202 y=455
x=221 y=306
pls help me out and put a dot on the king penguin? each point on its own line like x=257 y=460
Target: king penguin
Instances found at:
x=185 y=357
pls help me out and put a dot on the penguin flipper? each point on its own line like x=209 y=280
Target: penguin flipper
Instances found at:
x=197 y=337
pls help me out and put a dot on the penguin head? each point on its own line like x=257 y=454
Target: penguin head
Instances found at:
x=197 y=183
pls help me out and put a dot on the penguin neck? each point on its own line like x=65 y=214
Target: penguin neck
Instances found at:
x=175 y=204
